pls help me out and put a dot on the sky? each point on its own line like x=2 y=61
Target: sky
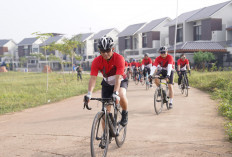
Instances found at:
x=20 y=18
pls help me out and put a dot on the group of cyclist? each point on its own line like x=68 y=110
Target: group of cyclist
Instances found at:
x=114 y=69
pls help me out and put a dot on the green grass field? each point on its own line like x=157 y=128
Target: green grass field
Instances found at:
x=24 y=90
x=219 y=85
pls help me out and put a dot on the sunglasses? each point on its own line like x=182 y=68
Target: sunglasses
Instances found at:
x=182 y=57
x=163 y=52
x=105 y=51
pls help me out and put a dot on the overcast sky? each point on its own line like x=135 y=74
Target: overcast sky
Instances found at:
x=20 y=18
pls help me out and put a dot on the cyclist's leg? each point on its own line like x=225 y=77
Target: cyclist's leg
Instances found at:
x=107 y=91
x=180 y=78
x=170 y=87
x=157 y=74
x=150 y=78
x=123 y=102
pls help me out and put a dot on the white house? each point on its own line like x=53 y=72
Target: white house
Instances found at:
x=8 y=50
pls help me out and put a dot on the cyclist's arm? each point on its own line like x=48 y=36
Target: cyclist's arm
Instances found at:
x=188 y=67
x=178 y=68
x=92 y=82
x=169 y=69
x=153 y=69
x=118 y=79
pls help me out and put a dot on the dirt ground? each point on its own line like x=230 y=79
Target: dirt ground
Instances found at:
x=192 y=128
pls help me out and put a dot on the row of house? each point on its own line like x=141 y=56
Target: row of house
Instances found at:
x=207 y=29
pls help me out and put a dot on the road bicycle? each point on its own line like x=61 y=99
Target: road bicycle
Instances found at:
x=184 y=84
x=146 y=79
x=161 y=96
x=106 y=126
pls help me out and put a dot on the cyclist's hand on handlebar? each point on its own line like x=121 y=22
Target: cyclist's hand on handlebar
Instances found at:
x=167 y=78
x=116 y=97
x=189 y=72
x=86 y=101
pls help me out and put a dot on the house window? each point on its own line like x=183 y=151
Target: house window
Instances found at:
x=179 y=36
x=197 y=33
x=127 y=43
x=95 y=45
x=35 y=50
x=144 y=40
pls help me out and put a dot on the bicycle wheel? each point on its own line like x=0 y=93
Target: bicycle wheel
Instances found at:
x=158 y=101
x=136 y=79
x=186 y=87
x=182 y=86
x=142 y=80
x=167 y=98
x=99 y=136
x=121 y=131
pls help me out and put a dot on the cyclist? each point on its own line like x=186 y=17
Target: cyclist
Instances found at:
x=165 y=61
x=182 y=63
x=146 y=66
x=114 y=83
x=134 y=66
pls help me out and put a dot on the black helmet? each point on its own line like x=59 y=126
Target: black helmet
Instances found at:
x=146 y=54
x=105 y=43
x=163 y=49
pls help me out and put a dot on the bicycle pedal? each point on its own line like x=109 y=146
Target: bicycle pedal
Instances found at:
x=158 y=100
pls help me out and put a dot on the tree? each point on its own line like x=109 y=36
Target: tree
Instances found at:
x=43 y=37
x=201 y=58
x=22 y=61
x=70 y=45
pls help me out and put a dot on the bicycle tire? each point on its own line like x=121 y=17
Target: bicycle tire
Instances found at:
x=182 y=86
x=167 y=103
x=119 y=141
x=95 y=128
x=136 y=79
x=186 y=87
x=142 y=80
x=158 y=109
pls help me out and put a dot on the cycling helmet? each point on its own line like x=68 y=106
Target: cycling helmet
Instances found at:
x=163 y=49
x=146 y=54
x=105 y=43
x=133 y=60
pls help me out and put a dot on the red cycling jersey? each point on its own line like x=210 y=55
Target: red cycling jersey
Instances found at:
x=163 y=62
x=146 y=61
x=134 y=64
x=109 y=69
x=182 y=63
x=126 y=64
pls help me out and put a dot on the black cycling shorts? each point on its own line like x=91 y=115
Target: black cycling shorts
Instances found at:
x=163 y=73
x=107 y=90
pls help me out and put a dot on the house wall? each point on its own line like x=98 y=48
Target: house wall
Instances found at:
x=209 y=25
x=3 y=49
x=171 y=35
x=36 y=44
x=113 y=34
x=225 y=14
x=89 y=47
x=163 y=31
x=121 y=44
x=188 y=32
x=21 y=51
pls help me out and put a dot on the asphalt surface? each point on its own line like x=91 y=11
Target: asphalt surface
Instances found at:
x=192 y=128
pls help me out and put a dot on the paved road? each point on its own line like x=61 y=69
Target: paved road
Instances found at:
x=191 y=128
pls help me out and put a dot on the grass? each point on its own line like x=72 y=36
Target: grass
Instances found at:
x=25 y=90
x=219 y=85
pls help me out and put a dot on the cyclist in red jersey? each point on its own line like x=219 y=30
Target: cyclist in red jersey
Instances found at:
x=134 y=66
x=166 y=63
x=182 y=63
x=114 y=83
x=146 y=67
